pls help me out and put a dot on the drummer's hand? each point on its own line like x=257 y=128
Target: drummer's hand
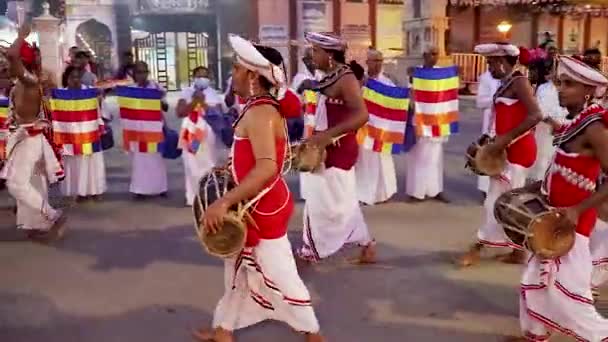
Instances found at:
x=214 y=215
x=569 y=218
x=320 y=139
x=499 y=144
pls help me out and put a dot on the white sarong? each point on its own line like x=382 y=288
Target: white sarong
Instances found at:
x=376 y=180
x=148 y=174
x=30 y=167
x=555 y=295
x=84 y=175
x=424 y=176
x=263 y=283
x=491 y=233
x=598 y=244
x=332 y=215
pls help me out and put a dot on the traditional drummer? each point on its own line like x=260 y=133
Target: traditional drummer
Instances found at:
x=262 y=282
x=516 y=112
x=556 y=294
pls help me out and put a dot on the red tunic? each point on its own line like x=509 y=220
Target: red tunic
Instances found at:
x=571 y=178
x=344 y=153
x=511 y=113
x=272 y=212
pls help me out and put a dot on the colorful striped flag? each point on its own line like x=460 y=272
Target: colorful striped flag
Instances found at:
x=436 y=101
x=141 y=118
x=3 y=126
x=77 y=124
x=387 y=107
x=310 y=108
x=193 y=131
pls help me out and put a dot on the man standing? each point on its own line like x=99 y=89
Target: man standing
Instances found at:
x=126 y=69
x=81 y=62
x=425 y=160
x=485 y=96
x=376 y=179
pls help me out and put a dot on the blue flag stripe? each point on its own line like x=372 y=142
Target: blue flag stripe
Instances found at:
x=139 y=93
x=386 y=90
x=74 y=94
x=436 y=73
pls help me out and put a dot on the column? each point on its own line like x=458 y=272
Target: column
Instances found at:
x=49 y=33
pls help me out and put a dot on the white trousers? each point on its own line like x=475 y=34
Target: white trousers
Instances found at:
x=425 y=168
x=332 y=215
x=545 y=152
x=263 y=283
x=598 y=244
x=84 y=175
x=556 y=296
x=148 y=174
x=376 y=179
x=491 y=233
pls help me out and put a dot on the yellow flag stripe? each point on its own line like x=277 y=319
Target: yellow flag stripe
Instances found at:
x=436 y=85
x=138 y=104
x=385 y=101
x=73 y=105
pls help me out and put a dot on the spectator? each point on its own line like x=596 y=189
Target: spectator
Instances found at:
x=126 y=69
x=81 y=62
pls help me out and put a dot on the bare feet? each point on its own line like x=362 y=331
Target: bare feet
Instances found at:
x=516 y=257
x=213 y=335
x=413 y=200
x=314 y=338
x=471 y=257
x=441 y=198
x=368 y=254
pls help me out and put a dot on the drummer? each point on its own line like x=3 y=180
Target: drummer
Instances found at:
x=263 y=281
x=516 y=114
x=555 y=294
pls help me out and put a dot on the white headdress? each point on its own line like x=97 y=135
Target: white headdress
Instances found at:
x=582 y=73
x=249 y=57
x=497 y=50
x=326 y=40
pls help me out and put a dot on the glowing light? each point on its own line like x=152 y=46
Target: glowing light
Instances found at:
x=504 y=27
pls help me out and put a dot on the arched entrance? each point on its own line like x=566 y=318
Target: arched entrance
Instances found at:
x=96 y=37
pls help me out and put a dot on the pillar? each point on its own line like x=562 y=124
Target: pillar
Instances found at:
x=49 y=33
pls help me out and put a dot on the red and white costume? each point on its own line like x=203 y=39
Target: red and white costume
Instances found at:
x=521 y=154
x=556 y=294
x=263 y=282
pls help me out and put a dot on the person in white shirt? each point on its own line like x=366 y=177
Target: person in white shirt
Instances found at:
x=484 y=100
x=199 y=162
x=376 y=179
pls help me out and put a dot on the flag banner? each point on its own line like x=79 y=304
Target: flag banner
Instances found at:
x=3 y=126
x=141 y=118
x=436 y=101
x=387 y=107
x=194 y=131
x=310 y=108
x=77 y=124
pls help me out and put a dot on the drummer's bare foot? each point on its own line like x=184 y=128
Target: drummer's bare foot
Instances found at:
x=516 y=257
x=413 y=200
x=314 y=338
x=368 y=254
x=213 y=335
x=441 y=198
x=471 y=257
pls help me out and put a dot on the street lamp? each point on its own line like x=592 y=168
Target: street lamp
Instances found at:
x=504 y=27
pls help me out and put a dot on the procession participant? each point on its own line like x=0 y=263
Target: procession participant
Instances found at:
x=332 y=215
x=263 y=282
x=32 y=161
x=555 y=293
x=197 y=139
x=424 y=177
x=375 y=171
x=5 y=87
x=81 y=62
x=148 y=171
x=78 y=124
x=516 y=112
x=599 y=254
x=484 y=100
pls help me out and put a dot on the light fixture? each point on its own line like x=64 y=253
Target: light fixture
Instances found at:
x=504 y=27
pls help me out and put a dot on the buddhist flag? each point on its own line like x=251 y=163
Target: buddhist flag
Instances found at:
x=76 y=120
x=310 y=108
x=436 y=101
x=3 y=128
x=193 y=132
x=387 y=107
x=141 y=118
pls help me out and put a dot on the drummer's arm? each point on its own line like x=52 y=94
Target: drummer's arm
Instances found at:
x=596 y=135
x=260 y=132
x=524 y=92
x=349 y=89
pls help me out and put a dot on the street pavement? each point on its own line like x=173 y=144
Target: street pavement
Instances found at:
x=131 y=271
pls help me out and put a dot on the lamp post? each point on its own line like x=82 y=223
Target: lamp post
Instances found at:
x=504 y=27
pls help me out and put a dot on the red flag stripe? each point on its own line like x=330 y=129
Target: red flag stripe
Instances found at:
x=386 y=113
x=142 y=115
x=436 y=96
x=75 y=116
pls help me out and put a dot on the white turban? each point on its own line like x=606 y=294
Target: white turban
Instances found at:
x=497 y=50
x=582 y=73
x=249 y=57
x=326 y=40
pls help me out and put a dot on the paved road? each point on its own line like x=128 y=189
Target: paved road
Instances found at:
x=133 y=271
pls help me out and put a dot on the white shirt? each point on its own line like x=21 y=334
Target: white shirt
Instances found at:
x=384 y=80
x=212 y=98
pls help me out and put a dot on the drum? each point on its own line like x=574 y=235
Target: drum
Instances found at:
x=230 y=240
x=529 y=222
x=483 y=163
x=307 y=157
